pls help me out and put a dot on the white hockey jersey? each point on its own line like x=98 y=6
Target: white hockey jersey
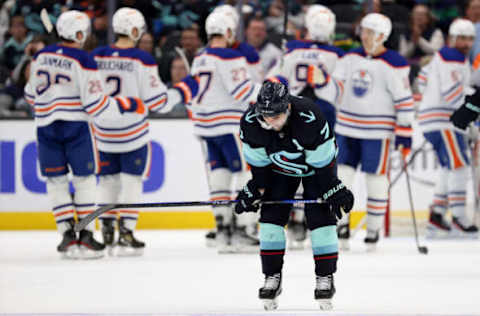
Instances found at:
x=252 y=57
x=225 y=91
x=377 y=96
x=130 y=72
x=302 y=53
x=65 y=85
x=444 y=81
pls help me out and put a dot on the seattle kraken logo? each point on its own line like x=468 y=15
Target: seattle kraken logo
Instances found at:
x=362 y=81
x=283 y=160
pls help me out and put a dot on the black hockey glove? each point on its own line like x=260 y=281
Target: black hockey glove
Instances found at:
x=464 y=115
x=248 y=199
x=340 y=199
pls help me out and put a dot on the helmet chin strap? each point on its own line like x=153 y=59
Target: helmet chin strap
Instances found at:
x=267 y=126
x=375 y=45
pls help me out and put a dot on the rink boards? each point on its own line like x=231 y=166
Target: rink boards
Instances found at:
x=177 y=174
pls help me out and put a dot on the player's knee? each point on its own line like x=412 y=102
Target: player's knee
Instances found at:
x=346 y=174
x=377 y=186
x=275 y=214
x=319 y=215
x=272 y=236
x=220 y=180
x=132 y=188
x=58 y=190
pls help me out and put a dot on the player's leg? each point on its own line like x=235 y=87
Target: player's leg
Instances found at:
x=135 y=166
x=84 y=162
x=108 y=192
x=459 y=167
x=53 y=165
x=349 y=151
x=375 y=163
x=322 y=225
x=438 y=227
x=273 y=219
x=220 y=180
x=244 y=228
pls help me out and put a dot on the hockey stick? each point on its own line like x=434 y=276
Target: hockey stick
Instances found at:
x=284 y=35
x=421 y=249
x=46 y=20
x=183 y=57
x=90 y=217
x=412 y=158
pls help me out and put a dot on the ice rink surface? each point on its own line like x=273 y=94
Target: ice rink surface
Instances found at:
x=179 y=275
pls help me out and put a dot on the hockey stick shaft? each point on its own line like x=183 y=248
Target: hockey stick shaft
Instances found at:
x=421 y=249
x=412 y=158
x=46 y=20
x=103 y=209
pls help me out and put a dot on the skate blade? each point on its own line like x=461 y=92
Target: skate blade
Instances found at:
x=459 y=234
x=227 y=249
x=325 y=304
x=371 y=247
x=128 y=252
x=72 y=253
x=211 y=243
x=270 y=305
x=344 y=244
x=87 y=253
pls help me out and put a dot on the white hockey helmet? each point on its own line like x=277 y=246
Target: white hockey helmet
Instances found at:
x=218 y=24
x=71 y=22
x=320 y=23
x=229 y=11
x=461 y=27
x=379 y=23
x=125 y=20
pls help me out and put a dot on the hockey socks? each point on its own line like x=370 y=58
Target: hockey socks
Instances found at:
x=325 y=249
x=272 y=248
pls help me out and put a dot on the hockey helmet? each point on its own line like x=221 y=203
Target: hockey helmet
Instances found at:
x=272 y=99
x=218 y=23
x=379 y=23
x=320 y=23
x=125 y=20
x=71 y=22
x=229 y=11
x=461 y=27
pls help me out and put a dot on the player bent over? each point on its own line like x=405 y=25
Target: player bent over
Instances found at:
x=66 y=92
x=124 y=144
x=447 y=80
x=287 y=141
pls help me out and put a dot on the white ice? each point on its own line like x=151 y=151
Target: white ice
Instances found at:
x=179 y=275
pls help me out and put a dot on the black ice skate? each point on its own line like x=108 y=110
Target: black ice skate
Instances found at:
x=211 y=239
x=437 y=226
x=89 y=247
x=296 y=233
x=270 y=291
x=242 y=242
x=324 y=291
x=68 y=247
x=127 y=244
x=371 y=239
x=108 y=234
x=343 y=232
x=463 y=229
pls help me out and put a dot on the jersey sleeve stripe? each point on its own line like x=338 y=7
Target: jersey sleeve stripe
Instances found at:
x=158 y=106
x=222 y=117
x=59 y=104
x=248 y=94
x=322 y=155
x=121 y=135
x=186 y=91
x=239 y=86
x=242 y=92
x=154 y=98
x=451 y=89
x=100 y=106
x=454 y=94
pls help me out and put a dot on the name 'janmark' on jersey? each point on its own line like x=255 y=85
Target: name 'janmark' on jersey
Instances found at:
x=53 y=61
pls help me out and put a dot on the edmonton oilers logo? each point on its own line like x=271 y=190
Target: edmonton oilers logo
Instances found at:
x=362 y=81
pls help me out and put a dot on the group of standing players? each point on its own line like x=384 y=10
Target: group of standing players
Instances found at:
x=319 y=115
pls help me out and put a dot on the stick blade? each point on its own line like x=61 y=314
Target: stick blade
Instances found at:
x=91 y=217
x=47 y=23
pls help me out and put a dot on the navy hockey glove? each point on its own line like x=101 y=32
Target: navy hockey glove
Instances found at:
x=464 y=115
x=248 y=199
x=340 y=199
x=129 y=104
x=188 y=88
